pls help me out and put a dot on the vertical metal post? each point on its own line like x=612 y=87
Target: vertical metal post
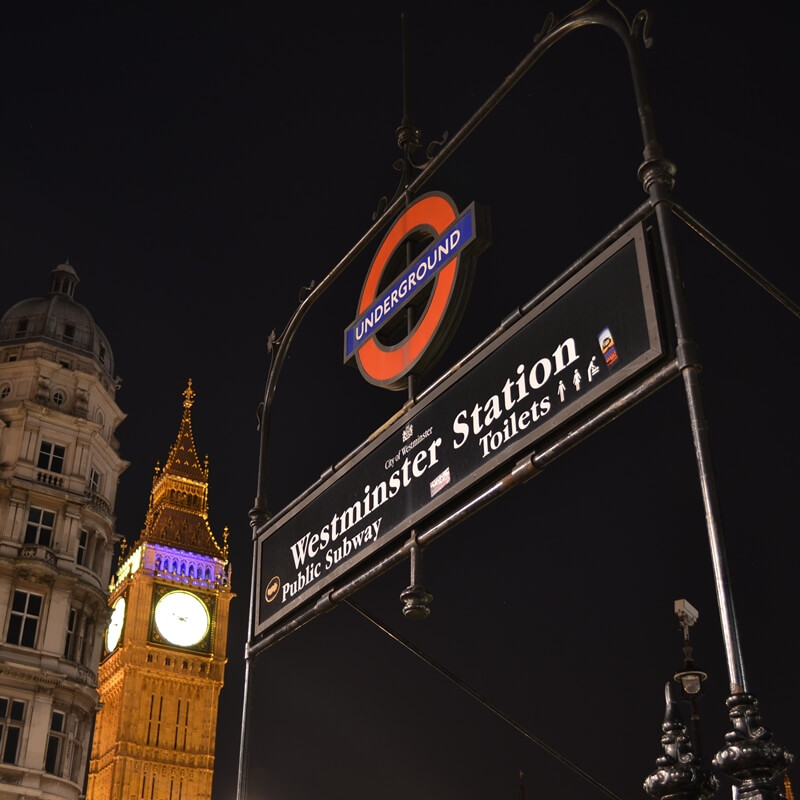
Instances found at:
x=408 y=139
x=241 y=778
x=258 y=516
x=658 y=178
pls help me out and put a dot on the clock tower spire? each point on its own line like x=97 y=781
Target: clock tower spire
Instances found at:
x=164 y=654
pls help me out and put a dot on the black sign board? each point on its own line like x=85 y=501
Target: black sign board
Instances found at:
x=596 y=331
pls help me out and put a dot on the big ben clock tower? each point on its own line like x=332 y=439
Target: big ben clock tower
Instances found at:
x=164 y=649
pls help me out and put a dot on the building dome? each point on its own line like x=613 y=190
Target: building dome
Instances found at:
x=58 y=318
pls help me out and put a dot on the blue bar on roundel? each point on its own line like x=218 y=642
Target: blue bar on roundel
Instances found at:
x=422 y=270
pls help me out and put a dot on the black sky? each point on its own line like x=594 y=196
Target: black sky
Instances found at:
x=198 y=165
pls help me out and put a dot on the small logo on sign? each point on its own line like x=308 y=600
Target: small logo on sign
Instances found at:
x=440 y=481
x=607 y=346
x=273 y=587
x=408 y=432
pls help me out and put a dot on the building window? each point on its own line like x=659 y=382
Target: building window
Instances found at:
x=22 y=328
x=12 y=715
x=72 y=627
x=95 y=480
x=23 y=622
x=85 y=640
x=59 y=398
x=83 y=545
x=80 y=630
x=74 y=744
x=154 y=723
x=5 y=391
x=69 y=332
x=175 y=793
x=51 y=457
x=39 y=529
x=181 y=726
x=80 y=634
x=55 y=741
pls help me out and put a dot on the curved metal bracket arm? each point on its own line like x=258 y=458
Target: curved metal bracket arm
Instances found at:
x=656 y=170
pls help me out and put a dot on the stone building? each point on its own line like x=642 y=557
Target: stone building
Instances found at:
x=59 y=469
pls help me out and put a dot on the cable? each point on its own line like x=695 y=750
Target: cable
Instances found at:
x=484 y=702
x=700 y=229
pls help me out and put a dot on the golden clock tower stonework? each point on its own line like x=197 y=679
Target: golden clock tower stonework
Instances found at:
x=164 y=650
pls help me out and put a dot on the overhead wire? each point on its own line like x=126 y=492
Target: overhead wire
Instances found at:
x=484 y=702
x=701 y=230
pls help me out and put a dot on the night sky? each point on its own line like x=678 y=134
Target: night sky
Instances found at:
x=198 y=166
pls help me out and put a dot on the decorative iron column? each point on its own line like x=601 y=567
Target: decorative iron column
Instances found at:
x=679 y=774
x=751 y=759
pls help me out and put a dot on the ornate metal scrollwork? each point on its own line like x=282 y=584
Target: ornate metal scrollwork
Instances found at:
x=408 y=139
x=640 y=25
x=305 y=291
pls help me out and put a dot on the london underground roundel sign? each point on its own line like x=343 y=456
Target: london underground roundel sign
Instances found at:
x=435 y=282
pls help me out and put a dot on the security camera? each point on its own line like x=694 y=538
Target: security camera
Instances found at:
x=686 y=612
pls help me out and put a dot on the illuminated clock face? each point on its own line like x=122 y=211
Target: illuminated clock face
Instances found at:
x=115 y=624
x=182 y=618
